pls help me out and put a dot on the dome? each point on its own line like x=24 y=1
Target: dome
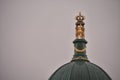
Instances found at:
x=80 y=68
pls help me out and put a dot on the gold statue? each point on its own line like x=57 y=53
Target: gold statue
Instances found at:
x=80 y=26
x=80 y=32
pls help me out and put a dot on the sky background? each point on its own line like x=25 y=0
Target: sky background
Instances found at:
x=36 y=36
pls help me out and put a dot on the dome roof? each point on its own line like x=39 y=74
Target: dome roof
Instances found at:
x=80 y=70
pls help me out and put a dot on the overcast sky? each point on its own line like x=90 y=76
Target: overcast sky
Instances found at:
x=36 y=36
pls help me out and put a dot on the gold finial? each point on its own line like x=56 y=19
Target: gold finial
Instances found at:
x=80 y=17
x=80 y=26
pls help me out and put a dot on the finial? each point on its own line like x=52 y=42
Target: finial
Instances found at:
x=80 y=17
x=80 y=26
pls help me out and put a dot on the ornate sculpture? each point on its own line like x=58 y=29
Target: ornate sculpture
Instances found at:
x=80 y=26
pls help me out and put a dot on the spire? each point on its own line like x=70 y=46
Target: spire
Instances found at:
x=80 y=42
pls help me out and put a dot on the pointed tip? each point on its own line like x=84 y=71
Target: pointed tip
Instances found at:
x=79 y=13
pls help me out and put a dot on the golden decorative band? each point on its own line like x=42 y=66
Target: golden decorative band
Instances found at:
x=77 y=50
x=80 y=58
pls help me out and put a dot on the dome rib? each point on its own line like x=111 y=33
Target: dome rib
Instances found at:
x=97 y=72
x=88 y=70
x=57 y=71
x=64 y=72
x=71 y=72
x=102 y=71
x=67 y=72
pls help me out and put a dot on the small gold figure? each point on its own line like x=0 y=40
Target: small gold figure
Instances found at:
x=80 y=32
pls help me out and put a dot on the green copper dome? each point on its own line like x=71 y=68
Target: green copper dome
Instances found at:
x=80 y=68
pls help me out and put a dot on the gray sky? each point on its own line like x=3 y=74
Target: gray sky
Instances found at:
x=36 y=36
